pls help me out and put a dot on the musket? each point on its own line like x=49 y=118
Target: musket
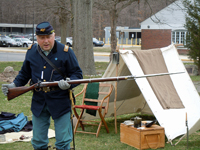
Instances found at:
x=17 y=91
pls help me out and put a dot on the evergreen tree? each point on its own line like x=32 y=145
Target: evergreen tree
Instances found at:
x=193 y=27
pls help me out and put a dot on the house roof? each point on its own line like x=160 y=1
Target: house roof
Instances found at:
x=171 y=17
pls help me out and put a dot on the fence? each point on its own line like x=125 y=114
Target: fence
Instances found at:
x=132 y=41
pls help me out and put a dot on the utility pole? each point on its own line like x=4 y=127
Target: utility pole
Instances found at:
x=33 y=21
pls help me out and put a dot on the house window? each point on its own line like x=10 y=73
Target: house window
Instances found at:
x=179 y=37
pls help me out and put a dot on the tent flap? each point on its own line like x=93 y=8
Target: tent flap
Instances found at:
x=152 y=62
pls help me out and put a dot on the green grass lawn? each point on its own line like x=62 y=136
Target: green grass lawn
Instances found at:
x=102 y=49
x=105 y=141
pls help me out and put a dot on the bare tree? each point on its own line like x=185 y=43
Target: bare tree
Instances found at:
x=22 y=13
x=153 y=6
x=114 y=7
x=82 y=28
x=62 y=9
x=79 y=19
x=99 y=23
x=82 y=35
x=128 y=13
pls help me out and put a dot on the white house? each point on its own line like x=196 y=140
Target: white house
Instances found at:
x=165 y=27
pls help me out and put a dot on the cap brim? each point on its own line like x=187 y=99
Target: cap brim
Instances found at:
x=44 y=33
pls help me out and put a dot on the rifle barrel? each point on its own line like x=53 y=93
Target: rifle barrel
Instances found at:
x=131 y=77
x=14 y=92
x=55 y=83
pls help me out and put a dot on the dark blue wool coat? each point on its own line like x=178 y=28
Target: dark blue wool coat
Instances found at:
x=36 y=68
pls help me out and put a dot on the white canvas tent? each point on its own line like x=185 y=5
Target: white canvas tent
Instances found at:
x=138 y=96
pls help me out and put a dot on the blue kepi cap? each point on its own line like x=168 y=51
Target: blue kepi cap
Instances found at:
x=44 y=28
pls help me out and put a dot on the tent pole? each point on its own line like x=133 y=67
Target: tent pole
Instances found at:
x=115 y=113
x=115 y=100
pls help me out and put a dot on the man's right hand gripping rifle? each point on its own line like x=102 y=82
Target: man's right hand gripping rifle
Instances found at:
x=63 y=84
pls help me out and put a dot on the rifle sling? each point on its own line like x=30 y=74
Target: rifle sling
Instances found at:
x=49 y=62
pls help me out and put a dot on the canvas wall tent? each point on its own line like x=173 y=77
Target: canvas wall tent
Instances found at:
x=138 y=96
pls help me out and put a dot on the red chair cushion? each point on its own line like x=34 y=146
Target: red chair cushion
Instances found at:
x=91 y=107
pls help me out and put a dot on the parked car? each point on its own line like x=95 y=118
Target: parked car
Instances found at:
x=15 y=36
x=25 y=42
x=35 y=39
x=68 y=41
x=7 y=42
x=97 y=42
x=19 y=44
x=58 y=38
x=70 y=38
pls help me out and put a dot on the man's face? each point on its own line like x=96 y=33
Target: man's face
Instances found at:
x=46 y=42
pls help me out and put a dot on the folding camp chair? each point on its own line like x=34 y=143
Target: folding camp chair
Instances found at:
x=101 y=107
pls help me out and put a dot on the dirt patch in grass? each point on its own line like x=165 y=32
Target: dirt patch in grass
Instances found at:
x=8 y=75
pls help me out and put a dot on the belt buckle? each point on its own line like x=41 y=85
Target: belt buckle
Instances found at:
x=46 y=89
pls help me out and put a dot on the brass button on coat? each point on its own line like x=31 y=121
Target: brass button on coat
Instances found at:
x=44 y=80
x=44 y=67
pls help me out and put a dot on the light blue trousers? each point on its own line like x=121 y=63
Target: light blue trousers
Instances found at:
x=63 y=130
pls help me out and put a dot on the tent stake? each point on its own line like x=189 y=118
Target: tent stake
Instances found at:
x=115 y=103
x=187 y=130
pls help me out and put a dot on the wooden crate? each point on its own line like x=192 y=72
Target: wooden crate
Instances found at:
x=152 y=137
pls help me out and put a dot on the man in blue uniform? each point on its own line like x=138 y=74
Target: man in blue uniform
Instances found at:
x=54 y=102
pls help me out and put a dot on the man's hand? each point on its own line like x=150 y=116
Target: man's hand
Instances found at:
x=64 y=85
x=5 y=87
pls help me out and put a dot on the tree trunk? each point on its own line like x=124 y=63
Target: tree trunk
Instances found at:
x=68 y=34
x=113 y=23
x=63 y=30
x=82 y=35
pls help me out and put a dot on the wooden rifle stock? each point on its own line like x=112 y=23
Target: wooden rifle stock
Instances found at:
x=14 y=92
x=17 y=91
